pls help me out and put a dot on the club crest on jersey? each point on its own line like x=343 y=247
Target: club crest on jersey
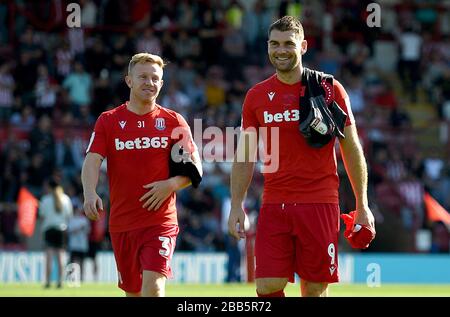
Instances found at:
x=160 y=124
x=122 y=124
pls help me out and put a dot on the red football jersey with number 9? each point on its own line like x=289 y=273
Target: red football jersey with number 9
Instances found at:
x=303 y=174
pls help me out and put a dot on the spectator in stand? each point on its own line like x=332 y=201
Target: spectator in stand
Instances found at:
x=196 y=93
x=410 y=43
x=79 y=86
x=186 y=46
x=120 y=52
x=412 y=191
x=358 y=54
x=149 y=42
x=103 y=93
x=186 y=13
x=442 y=92
x=13 y=162
x=64 y=59
x=395 y=166
x=23 y=121
x=355 y=93
x=46 y=89
x=176 y=99
x=69 y=154
x=35 y=174
x=97 y=58
x=42 y=142
x=7 y=85
x=216 y=87
x=88 y=13
x=210 y=36
x=440 y=238
x=440 y=192
x=233 y=52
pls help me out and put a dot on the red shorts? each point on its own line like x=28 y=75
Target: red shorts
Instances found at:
x=149 y=249
x=298 y=238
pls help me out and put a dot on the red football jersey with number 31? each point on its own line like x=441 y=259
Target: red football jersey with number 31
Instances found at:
x=137 y=149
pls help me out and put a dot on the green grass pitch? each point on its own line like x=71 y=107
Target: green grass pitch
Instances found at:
x=224 y=290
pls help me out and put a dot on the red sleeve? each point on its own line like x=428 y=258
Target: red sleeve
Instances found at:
x=249 y=119
x=184 y=135
x=342 y=99
x=97 y=143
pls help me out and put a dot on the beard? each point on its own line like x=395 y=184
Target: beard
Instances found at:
x=285 y=67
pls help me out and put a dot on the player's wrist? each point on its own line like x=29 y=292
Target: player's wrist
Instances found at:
x=362 y=206
x=88 y=195
x=236 y=204
x=175 y=183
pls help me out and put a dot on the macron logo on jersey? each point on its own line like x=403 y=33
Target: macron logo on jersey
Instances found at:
x=271 y=95
x=332 y=269
x=122 y=124
x=288 y=115
x=142 y=143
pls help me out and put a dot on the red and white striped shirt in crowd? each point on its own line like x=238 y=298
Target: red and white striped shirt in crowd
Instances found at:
x=76 y=40
x=45 y=92
x=6 y=90
x=395 y=170
x=63 y=62
x=412 y=192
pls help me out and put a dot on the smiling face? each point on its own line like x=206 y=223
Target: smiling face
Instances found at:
x=145 y=81
x=285 y=49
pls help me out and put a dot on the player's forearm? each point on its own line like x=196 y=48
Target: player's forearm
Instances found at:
x=356 y=167
x=241 y=176
x=179 y=182
x=89 y=175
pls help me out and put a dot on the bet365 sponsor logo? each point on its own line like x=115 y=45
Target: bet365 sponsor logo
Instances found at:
x=288 y=115
x=142 y=143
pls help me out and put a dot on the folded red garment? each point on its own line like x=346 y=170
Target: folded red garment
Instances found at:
x=359 y=236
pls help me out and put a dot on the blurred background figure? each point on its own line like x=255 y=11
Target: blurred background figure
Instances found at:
x=96 y=237
x=78 y=230
x=55 y=209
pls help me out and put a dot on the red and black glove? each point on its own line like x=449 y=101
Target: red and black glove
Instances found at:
x=359 y=236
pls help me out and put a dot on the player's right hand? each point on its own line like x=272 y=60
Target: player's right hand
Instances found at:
x=92 y=205
x=238 y=223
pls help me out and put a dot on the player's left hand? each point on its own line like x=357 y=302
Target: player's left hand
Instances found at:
x=158 y=192
x=365 y=217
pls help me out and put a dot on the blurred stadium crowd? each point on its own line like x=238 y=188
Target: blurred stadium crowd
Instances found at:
x=55 y=81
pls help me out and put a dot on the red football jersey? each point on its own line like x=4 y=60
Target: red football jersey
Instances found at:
x=137 y=149
x=304 y=174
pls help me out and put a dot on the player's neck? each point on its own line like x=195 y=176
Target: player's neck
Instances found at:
x=139 y=107
x=291 y=77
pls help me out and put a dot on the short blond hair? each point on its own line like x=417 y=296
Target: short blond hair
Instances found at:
x=145 y=58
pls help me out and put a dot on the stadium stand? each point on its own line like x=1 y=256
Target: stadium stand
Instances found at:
x=55 y=81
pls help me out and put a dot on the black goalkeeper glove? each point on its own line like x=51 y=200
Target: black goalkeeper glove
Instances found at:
x=322 y=123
